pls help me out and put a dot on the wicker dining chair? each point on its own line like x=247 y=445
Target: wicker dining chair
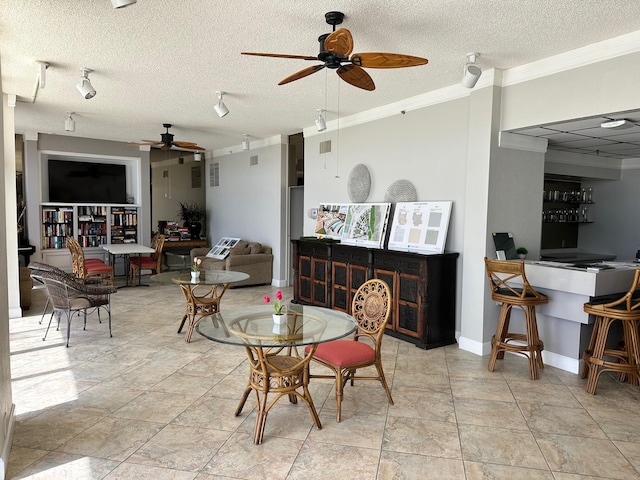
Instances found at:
x=88 y=267
x=152 y=263
x=72 y=296
x=371 y=307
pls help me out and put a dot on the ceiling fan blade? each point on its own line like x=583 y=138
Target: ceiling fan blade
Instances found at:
x=302 y=73
x=340 y=42
x=165 y=147
x=280 y=55
x=182 y=144
x=386 y=60
x=357 y=77
x=153 y=142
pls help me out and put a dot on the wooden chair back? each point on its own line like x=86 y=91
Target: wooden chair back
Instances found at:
x=508 y=282
x=629 y=303
x=371 y=308
x=78 y=265
x=157 y=243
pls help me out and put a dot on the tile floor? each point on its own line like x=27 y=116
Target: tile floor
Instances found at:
x=144 y=404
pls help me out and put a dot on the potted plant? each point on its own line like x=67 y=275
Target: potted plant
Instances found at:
x=192 y=213
x=522 y=252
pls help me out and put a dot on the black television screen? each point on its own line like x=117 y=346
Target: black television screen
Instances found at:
x=87 y=182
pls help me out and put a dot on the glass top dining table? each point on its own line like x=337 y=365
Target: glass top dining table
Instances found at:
x=207 y=277
x=254 y=326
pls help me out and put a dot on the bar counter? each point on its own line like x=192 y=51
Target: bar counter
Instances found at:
x=564 y=327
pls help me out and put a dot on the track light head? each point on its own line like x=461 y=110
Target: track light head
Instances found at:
x=197 y=157
x=84 y=86
x=220 y=108
x=122 y=3
x=321 y=125
x=472 y=71
x=42 y=73
x=70 y=123
x=245 y=142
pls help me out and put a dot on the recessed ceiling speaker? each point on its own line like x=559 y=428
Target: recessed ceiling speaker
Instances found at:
x=472 y=71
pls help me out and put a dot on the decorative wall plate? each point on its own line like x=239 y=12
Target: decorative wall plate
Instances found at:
x=401 y=191
x=359 y=184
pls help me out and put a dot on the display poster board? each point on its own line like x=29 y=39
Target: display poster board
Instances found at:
x=420 y=226
x=366 y=224
x=221 y=249
x=330 y=220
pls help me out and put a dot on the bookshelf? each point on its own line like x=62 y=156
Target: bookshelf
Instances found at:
x=124 y=225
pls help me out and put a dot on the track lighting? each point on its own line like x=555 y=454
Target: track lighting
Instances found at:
x=42 y=73
x=122 y=3
x=84 y=87
x=321 y=125
x=70 y=123
x=472 y=71
x=197 y=157
x=220 y=108
x=617 y=124
x=245 y=141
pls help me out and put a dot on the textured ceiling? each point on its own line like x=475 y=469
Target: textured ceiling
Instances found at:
x=161 y=61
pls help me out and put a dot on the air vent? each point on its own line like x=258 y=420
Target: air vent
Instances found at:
x=165 y=174
x=325 y=147
x=214 y=175
x=253 y=160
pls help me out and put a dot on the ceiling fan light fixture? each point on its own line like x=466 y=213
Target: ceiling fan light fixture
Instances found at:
x=122 y=3
x=220 y=108
x=197 y=157
x=472 y=71
x=84 y=86
x=245 y=142
x=321 y=125
x=617 y=124
x=70 y=123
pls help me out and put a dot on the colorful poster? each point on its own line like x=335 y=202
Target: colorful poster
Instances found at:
x=330 y=221
x=420 y=226
x=366 y=224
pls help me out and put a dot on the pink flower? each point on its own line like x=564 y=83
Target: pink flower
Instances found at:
x=277 y=306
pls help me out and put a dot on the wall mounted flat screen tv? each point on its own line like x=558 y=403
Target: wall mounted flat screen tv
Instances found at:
x=87 y=182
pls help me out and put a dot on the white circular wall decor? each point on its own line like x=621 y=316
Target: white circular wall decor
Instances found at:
x=401 y=191
x=359 y=184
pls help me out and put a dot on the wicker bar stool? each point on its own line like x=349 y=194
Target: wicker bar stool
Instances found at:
x=510 y=287
x=623 y=359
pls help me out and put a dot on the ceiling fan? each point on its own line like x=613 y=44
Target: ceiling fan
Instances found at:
x=335 y=49
x=167 y=142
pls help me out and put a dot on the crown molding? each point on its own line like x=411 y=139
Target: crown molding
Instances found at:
x=522 y=142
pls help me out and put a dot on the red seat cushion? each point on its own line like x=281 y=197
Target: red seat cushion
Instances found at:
x=344 y=352
x=97 y=268
x=144 y=262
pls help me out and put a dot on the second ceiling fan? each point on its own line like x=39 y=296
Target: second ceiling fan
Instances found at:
x=167 y=143
x=335 y=53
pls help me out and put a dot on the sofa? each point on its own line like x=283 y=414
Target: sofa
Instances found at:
x=252 y=258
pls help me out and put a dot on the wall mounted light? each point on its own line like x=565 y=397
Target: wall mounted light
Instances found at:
x=70 y=123
x=42 y=73
x=617 y=124
x=472 y=71
x=321 y=125
x=220 y=108
x=245 y=141
x=84 y=87
x=122 y=3
x=197 y=157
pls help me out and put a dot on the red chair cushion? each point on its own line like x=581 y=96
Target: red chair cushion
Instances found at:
x=144 y=262
x=97 y=268
x=93 y=261
x=344 y=352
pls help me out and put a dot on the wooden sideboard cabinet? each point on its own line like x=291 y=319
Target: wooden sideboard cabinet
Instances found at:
x=328 y=273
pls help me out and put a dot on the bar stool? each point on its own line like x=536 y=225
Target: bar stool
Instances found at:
x=625 y=359
x=510 y=287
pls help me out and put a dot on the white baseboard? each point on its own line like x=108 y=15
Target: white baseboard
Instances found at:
x=8 y=439
x=15 y=312
x=549 y=358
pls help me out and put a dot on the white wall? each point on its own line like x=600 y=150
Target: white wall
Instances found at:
x=250 y=201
